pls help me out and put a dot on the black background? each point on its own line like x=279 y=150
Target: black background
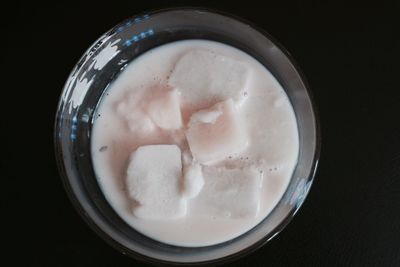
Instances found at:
x=349 y=53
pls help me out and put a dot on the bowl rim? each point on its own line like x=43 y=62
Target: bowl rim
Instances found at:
x=228 y=258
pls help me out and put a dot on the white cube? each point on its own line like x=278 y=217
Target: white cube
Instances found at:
x=205 y=77
x=154 y=180
x=229 y=193
x=136 y=119
x=216 y=133
x=165 y=111
x=192 y=180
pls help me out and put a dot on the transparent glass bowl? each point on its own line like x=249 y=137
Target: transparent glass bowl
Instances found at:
x=102 y=63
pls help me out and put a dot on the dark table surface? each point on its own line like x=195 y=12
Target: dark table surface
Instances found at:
x=348 y=53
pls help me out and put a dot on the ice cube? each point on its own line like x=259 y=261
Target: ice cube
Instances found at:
x=193 y=180
x=137 y=120
x=205 y=77
x=154 y=180
x=216 y=133
x=229 y=193
x=164 y=110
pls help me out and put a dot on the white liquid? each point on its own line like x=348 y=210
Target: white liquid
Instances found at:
x=267 y=116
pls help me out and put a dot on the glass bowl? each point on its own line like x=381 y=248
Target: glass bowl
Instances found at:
x=102 y=63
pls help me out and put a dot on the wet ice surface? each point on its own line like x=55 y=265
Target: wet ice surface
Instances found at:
x=154 y=181
x=216 y=133
x=229 y=193
x=205 y=76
